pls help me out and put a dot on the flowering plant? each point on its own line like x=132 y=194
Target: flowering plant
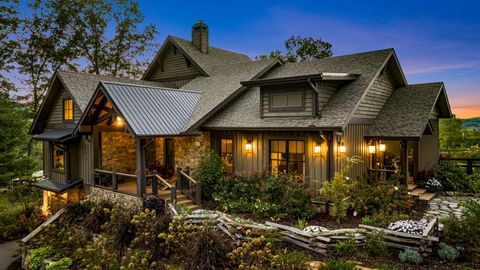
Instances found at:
x=433 y=184
x=408 y=226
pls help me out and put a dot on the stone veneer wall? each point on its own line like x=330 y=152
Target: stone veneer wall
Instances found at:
x=190 y=150
x=118 y=152
x=123 y=200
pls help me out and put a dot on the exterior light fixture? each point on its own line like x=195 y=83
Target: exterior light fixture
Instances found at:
x=317 y=149
x=382 y=147
x=248 y=147
x=371 y=148
x=342 y=148
x=118 y=121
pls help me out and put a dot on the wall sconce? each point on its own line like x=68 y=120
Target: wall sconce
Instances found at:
x=317 y=149
x=371 y=148
x=342 y=148
x=248 y=147
x=382 y=147
x=118 y=121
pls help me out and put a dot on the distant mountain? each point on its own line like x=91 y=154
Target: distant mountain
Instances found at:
x=472 y=123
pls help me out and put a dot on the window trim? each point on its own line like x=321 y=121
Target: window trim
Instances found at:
x=286 y=109
x=63 y=110
x=287 y=159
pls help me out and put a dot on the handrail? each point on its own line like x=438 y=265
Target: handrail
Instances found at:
x=117 y=173
x=189 y=178
x=163 y=181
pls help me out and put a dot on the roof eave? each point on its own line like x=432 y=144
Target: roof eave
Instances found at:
x=303 y=78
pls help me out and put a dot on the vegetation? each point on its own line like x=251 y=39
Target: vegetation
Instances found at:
x=301 y=49
x=410 y=256
x=62 y=264
x=34 y=260
x=346 y=247
x=375 y=244
x=447 y=253
x=339 y=188
x=382 y=220
x=460 y=139
x=209 y=174
x=338 y=264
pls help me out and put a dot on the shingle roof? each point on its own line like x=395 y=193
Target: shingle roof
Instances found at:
x=244 y=112
x=223 y=82
x=83 y=85
x=150 y=110
x=407 y=111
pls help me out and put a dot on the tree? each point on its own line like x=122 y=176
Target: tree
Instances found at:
x=451 y=136
x=301 y=49
x=119 y=55
x=9 y=23
x=50 y=43
x=14 y=138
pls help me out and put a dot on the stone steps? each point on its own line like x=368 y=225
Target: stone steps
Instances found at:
x=427 y=196
x=182 y=200
x=411 y=187
x=417 y=192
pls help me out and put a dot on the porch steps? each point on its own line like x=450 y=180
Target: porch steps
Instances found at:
x=182 y=200
x=417 y=192
x=420 y=193
x=427 y=196
x=411 y=187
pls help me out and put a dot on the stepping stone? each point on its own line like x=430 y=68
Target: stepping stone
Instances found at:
x=417 y=191
x=427 y=196
x=411 y=187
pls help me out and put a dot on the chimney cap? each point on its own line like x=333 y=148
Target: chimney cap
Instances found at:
x=200 y=24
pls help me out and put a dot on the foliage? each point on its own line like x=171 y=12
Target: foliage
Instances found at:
x=209 y=174
x=301 y=49
x=382 y=220
x=301 y=224
x=34 y=259
x=452 y=176
x=474 y=181
x=14 y=161
x=292 y=260
x=121 y=230
x=62 y=264
x=382 y=197
x=464 y=232
x=375 y=244
x=265 y=195
x=8 y=42
x=447 y=253
x=346 y=247
x=339 y=188
x=459 y=138
x=410 y=256
x=338 y=264
x=255 y=253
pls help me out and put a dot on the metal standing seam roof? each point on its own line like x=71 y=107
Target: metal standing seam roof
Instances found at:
x=55 y=135
x=152 y=111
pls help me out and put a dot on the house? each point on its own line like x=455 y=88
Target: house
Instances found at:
x=122 y=139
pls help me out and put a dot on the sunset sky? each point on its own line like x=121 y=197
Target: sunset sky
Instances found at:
x=434 y=40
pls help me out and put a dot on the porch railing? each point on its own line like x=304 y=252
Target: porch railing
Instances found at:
x=189 y=186
x=470 y=164
x=112 y=180
x=156 y=178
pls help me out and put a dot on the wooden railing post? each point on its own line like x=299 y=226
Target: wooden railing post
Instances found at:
x=198 y=193
x=179 y=178
x=173 y=195
x=154 y=184
x=469 y=166
x=114 y=181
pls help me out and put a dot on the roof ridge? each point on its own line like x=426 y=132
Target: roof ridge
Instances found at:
x=209 y=46
x=413 y=84
x=152 y=86
x=100 y=75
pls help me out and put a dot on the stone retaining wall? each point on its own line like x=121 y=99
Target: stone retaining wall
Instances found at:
x=123 y=200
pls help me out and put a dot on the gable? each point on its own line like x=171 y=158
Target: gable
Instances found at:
x=55 y=117
x=173 y=65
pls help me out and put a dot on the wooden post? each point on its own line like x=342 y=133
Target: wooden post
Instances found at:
x=469 y=166
x=114 y=181
x=404 y=161
x=173 y=195
x=140 y=155
x=66 y=156
x=198 y=193
x=178 y=183
x=155 y=183
x=330 y=157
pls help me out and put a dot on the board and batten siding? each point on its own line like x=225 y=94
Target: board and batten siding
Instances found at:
x=85 y=159
x=353 y=138
x=47 y=159
x=307 y=102
x=55 y=119
x=258 y=159
x=377 y=95
x=174 y=66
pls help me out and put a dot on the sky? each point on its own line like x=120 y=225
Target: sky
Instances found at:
x=434 y=40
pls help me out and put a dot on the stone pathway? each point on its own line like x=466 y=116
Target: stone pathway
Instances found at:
x=444 y=206
x=9 y=252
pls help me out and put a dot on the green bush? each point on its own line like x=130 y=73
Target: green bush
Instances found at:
x=338 y=264
x=346 y=247
x=209 y=174
x=62 y=264
x=452 y=176
x=382 y=220
x=474 y=182
x=292 y=260
x=382 y=197
x=410 y=256
x=375 y=244
x=34 y=259
x=447 y=253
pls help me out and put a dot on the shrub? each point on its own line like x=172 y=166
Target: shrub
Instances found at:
x=474 y=181
x=209 y=174
x=410 y=256
x=375 y=244
x=256 y=253
x=120 y=230
x=447 y=253
x=292 y=260
x=347 y=247
x=62 y=264
x=381 y=220
x=34 y=260
x=452 y=176
x=338 y=264
x=339 y=188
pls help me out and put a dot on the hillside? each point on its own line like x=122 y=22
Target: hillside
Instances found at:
x=473 y=123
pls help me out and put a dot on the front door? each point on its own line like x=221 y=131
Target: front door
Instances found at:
x=169 y=154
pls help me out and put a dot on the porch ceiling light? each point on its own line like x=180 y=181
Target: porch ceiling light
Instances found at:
x=371 y=148
x=248 y=147
x=382 y=147
x=118 y=121
x=342 y=148
x=317 y=149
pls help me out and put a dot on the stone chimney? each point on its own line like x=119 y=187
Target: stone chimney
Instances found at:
x=200 y=36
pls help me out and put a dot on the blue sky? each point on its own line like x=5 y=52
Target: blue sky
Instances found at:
x=434 y=40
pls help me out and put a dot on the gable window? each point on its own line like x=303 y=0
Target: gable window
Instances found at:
x=226 y=153
x=287 y=157
x=58 y=157
x=68 y=109
x=292 y=101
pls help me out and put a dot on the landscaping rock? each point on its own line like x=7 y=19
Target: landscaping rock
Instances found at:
x=315 y=229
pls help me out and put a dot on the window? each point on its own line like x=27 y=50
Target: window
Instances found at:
x=226 y=153
x=287 y=101
x=58 y=155
x=68 y=109
x=287 y=157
